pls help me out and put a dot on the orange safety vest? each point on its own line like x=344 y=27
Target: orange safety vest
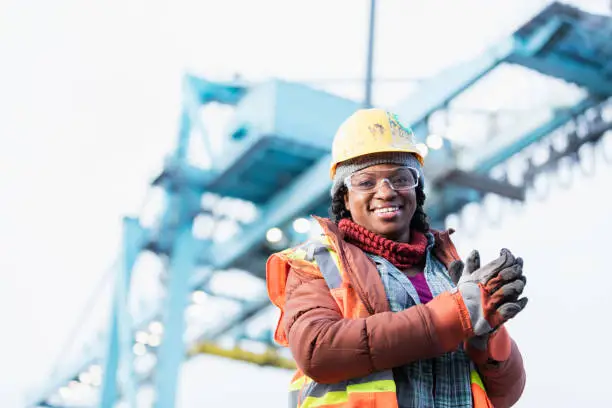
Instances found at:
x=375 y=390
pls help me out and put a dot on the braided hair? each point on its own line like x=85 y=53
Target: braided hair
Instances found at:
x=338 y=210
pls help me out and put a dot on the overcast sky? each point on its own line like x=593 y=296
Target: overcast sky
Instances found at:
x=89 y=99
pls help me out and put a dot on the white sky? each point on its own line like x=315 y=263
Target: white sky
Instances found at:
x=89 y=99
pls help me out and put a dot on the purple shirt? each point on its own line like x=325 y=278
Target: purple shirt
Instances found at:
x=421 y=286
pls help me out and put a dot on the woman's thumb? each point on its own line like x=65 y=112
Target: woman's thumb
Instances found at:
x=455 y=270
x=473 y=262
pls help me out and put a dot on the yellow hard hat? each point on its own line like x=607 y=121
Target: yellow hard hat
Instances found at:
x=370 y=131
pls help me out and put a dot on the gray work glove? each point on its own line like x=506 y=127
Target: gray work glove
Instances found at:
x=490 y=293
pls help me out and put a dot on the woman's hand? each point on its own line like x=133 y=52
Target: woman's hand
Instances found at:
x=490 y=293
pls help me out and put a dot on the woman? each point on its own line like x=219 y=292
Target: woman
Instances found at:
x=380 y=311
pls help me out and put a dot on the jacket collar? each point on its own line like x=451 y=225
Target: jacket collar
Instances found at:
x=443 y=249
x=362 y=271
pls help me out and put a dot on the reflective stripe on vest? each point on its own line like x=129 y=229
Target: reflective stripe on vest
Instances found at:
x=375 y=390
x=480 y=398
x=328 y=266
x=351 y=393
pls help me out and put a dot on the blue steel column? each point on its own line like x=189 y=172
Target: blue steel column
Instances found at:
x=119 y=335
x=172 y=350
x=183 y=136
x=177 y=221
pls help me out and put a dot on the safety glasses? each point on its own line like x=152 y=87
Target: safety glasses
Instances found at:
x=369 y=181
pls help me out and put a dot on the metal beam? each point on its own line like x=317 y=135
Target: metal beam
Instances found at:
x=172 y=350
x=192 y=106
x=542 y=38
x=607 y=70
x=567 y=70
x=271 y=357
x=309 y=189
x=435 y=92
x=593 y=136
x=450 y=199
x=227 y=93
x=502 y=153
x=120 y=333
x=195 y=92
x=178 y=172
x=481 y=183
x=182 y=142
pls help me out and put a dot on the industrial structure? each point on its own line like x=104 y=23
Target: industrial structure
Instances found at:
x=271 y=173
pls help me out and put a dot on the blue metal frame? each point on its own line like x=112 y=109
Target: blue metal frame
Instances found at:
x=172 y=350
x=178 y=240
x=436 y=92
x=502 y=154
x=120 y=330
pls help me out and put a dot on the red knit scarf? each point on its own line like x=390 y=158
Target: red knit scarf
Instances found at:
x=402 y=255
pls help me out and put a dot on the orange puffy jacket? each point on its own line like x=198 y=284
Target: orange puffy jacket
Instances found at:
x=329 y=348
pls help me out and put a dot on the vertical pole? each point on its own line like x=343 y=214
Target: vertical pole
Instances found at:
x=192 y=104
x=118 y=345
x=172 y=350
x=370 y=58
x=185 y=121
x=126 y=326
x=190 y=119
x=182 y=145
x=108 y=392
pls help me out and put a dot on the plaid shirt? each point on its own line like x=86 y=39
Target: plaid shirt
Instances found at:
x=441 y=382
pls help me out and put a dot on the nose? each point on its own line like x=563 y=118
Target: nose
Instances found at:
x=384 y=190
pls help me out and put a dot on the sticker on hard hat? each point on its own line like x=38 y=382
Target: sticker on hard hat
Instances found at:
x=400 y=135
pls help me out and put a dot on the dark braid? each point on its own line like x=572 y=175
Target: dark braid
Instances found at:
x=338 y=210
x=419 y=219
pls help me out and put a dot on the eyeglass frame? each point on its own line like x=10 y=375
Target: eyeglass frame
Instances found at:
x=347 y=181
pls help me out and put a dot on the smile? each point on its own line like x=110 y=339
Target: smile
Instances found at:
x=387 y=211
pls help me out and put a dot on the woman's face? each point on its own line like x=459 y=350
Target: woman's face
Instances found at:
x=384 y=211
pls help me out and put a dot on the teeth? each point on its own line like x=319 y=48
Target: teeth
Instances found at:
x=386 y=210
